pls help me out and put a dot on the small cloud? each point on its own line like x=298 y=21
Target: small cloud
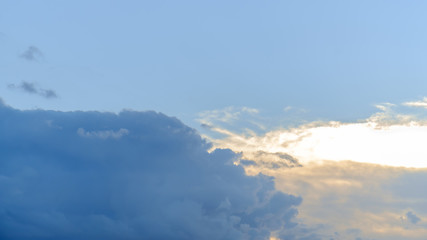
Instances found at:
x=414 y=219
x=288 y=108
x=294 y=109
x=250 y=110
x=422 y=103
x=32 y=54
x=32 y=89
x=385 y=106
x=48 y=93
x=28 y=87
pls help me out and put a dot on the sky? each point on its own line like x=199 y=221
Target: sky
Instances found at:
x=288 y=119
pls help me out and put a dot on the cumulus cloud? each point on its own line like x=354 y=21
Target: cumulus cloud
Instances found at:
x=31 y=88
x=32 y=54
x=133 y=175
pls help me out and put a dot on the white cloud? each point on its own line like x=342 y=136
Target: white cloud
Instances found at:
x=422 y=103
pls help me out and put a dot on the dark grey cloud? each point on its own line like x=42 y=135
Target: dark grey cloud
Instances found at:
x=33 y=89
x=133 y=175
x=32 y=54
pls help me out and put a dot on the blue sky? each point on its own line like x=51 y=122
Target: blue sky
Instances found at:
x=316 y=109
x=334 y=59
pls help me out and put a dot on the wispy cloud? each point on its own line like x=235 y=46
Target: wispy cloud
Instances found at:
x=32 y=54
x=225 y=115
x=245 y=118
x=32 y=88
x=421 y=103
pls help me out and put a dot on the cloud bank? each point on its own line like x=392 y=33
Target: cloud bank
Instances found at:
x=135 y=175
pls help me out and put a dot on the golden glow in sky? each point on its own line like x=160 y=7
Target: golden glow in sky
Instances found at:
x=377 y=140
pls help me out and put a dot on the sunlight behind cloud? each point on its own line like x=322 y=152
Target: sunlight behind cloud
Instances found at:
x=385 y=138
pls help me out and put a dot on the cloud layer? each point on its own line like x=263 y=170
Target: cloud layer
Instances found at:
x=91 y=175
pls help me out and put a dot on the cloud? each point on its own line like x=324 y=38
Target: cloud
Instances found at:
x=133 y=175
x=384 y=138
x=357 y=199
x=226 y=115
x=421 y=104
x=412 y=217
x=32 y=54
x=359 y=180
x=244 y=119
x=32 y=89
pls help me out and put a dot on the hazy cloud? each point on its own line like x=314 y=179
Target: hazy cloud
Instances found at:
x=33 y=89
x=32 y=54
x=133 y=175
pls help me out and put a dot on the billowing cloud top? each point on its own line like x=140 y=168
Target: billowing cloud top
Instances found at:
x=135 y=175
